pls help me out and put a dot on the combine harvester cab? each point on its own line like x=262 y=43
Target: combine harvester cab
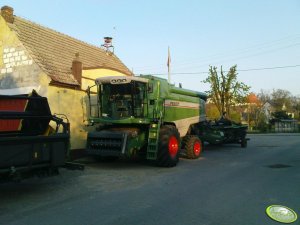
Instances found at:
x=28 y=144
x=144 y=116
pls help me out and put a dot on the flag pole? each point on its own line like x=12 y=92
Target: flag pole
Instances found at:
x=168 y=64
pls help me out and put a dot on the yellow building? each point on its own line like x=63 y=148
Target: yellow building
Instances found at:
x=57 y=66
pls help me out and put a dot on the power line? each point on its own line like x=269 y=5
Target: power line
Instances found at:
x=229 y=59
x=270 y=68
x=251 y=51
x=240 y=70
x=247 y=53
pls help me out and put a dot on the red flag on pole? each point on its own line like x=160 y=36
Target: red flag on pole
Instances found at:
x=169 y=64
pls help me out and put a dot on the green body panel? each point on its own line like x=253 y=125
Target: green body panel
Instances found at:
x=177 y=106
x=132 y=120
x=184 y=103
x=172 y=113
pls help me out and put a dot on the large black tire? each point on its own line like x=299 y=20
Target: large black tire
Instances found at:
x=168 y=146
x=193 y=146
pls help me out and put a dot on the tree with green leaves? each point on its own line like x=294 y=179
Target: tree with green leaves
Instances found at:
x=225 y=90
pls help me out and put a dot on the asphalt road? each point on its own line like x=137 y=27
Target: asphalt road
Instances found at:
x=227 y=186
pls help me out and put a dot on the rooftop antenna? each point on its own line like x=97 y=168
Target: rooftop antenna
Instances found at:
x=107 y=46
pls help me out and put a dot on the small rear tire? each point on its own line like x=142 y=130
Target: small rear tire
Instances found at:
x=193 y=147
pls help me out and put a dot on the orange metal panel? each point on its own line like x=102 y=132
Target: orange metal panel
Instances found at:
x=16 y=105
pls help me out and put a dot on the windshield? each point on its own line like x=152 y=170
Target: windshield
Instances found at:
x=123 y=100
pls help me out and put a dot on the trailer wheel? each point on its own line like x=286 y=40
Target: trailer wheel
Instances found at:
x=193 y=146
x=168 y=147
x=244 y=143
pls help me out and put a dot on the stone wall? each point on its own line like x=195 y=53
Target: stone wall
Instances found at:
x=18 y=69
x=19 y=74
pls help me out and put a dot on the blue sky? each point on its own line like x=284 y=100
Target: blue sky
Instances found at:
x=256 y=35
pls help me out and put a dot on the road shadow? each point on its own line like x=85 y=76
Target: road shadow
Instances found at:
x=114 y=163
x=10 y=190
x=222 y=147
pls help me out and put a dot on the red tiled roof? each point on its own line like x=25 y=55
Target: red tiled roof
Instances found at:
x=54 y=51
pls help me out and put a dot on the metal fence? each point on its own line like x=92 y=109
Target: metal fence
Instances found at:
x=286 y=126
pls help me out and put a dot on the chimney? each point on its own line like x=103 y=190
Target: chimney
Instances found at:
x=7 y=13
x=77 y=68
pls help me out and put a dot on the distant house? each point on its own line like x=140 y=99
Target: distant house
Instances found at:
x=280 y=125
x=57 y=66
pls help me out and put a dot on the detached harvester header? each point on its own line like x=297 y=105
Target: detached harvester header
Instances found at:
x=32 y=140
x=145 y=116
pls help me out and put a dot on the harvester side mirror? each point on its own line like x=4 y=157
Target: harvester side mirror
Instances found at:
x=88 y=92
x=150 y=88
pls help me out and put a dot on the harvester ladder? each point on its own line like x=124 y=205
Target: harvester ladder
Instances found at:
x=153 y=141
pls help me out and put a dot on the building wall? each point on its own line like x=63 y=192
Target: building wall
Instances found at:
x=69 y=102
x=18 y=72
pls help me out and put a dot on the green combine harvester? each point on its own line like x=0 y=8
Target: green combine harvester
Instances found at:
x=146 y=116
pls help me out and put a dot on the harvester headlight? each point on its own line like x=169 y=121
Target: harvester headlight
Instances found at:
x=153 y=125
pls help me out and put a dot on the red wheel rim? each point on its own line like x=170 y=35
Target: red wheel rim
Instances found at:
x=173 y=146
x=197 y=148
